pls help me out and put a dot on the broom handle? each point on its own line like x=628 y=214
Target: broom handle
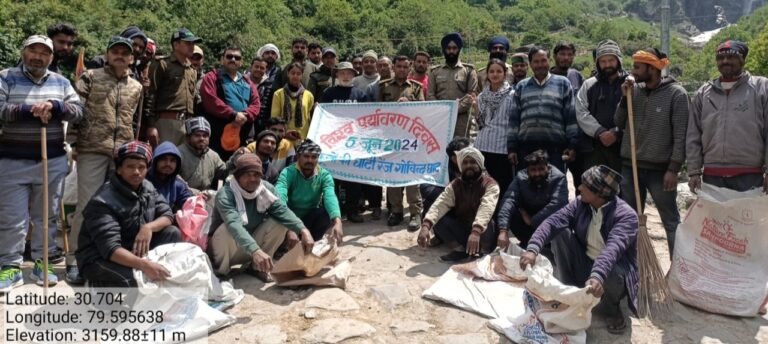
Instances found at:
x=633 y=150
x=44 y=155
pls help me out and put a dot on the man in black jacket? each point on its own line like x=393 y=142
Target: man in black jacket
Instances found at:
x=123 y=221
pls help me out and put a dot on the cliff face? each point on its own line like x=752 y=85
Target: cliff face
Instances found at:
x=705 y=15
x=712 y=14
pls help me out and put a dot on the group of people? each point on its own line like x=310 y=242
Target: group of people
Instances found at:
x=148 y=133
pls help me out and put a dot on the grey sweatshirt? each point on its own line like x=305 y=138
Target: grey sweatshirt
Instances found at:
x=661 y=120
x=729 y=130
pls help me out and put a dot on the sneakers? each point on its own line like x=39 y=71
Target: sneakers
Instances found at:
x=415 y=223
x=394 y=219
x=37 y=274
x=73 y=276
x=376 y=214
x=10 y=277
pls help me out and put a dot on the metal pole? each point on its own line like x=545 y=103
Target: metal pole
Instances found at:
x=665 y=24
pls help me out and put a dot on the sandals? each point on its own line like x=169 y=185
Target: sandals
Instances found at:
x=617 y=324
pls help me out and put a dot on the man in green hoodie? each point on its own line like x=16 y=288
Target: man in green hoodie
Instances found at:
x=308 y=191
x=250 y=222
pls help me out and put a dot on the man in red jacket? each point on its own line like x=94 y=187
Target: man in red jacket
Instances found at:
x=229 y=97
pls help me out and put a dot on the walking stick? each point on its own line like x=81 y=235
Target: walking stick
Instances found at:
x=44 y=155
x=655 y=298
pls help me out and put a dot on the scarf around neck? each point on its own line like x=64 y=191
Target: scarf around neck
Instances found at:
x=264 y=198
x=489 y=102
x=287 y=113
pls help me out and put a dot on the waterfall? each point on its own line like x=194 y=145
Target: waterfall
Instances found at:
x=747 y=7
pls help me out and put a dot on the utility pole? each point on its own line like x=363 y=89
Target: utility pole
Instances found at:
x=665 y=23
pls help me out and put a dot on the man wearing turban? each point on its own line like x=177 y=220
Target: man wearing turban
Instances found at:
x=453 y=80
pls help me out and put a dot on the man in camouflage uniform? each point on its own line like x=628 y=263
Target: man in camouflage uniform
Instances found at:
x=400 y=89
x=453 y=80
x=171 y=93
x=111 y=98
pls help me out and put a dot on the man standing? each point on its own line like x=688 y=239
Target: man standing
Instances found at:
x=370 y=72
x=357 y=63
x=498 y=47
x=564 y=53
x=228 y=97
x=594 y=244
x=164 y=175
x=519 y=67
x=400 y=89
x=421 y=62
x=139 y=65
x=171 y=93
x=344 y=92
x=544 y=116
x=660 y=121
x=322 y=79
x=198 y=60
x=384 y=69
x=727 y=141
x=314 y=61
x=453 y=80
x=308 y=190
x=31 y=96
x=250 y=222
x=464 y=211
x=64 y=62
x=201 y=167
x=298 y=55
x=596 y=104
x=267 y=80
x=536 y=193
x=125 y=219
x=111 y=115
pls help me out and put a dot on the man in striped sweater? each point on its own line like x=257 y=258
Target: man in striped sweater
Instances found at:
x=543 y=115
x=660 y=121
x=31 y=97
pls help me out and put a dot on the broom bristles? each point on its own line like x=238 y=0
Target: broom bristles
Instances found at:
x=654 y=299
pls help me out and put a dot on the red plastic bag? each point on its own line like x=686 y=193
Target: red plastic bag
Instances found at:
x=191 y=219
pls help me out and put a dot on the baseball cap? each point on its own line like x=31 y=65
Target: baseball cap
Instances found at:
x=185 y=35
x=116 y=40
x=345 y=65
x=198 y=51
x=329 y=50
x=39 y=39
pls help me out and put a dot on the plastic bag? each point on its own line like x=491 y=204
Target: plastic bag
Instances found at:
x=720 y=252
x=191 y=219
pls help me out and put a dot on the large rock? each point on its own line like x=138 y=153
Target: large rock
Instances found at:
x=264 y=334
x=391 y=295
x=402 y=327
x=469 y=338
x=332 y=299
x=335 y=330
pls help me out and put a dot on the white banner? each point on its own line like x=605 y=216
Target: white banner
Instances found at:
x=385 y=144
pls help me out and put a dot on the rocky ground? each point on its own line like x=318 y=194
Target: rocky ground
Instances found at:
x=382 y=303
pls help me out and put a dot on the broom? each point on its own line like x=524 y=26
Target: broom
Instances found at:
x=44 y=155
x=655 y=298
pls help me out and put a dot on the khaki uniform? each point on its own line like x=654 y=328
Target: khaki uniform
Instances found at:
x=391 y=91
x=171 y=90
x=482 y=77
x=451 y=83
